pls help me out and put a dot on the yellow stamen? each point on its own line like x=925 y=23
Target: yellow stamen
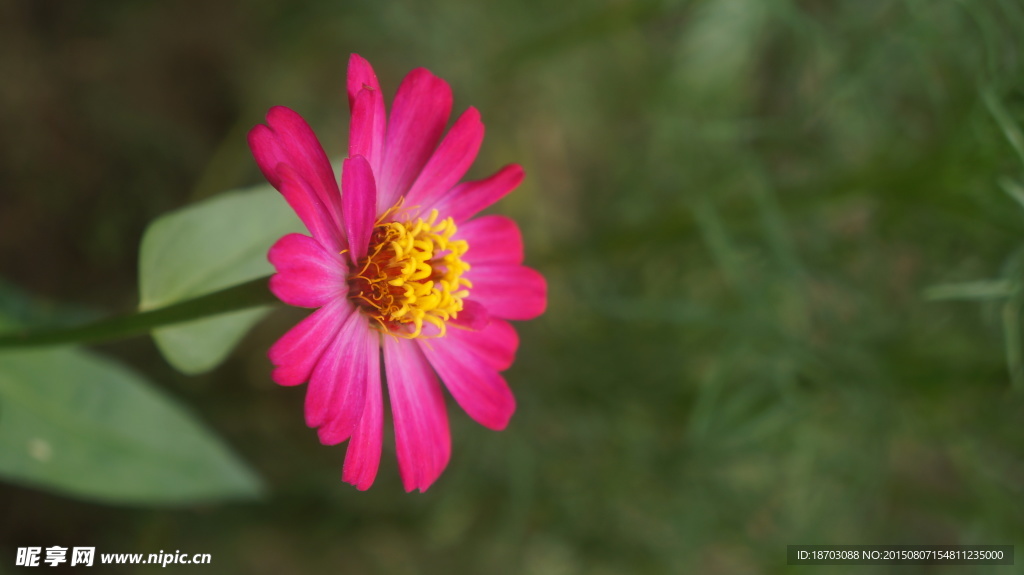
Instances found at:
x=411 y=275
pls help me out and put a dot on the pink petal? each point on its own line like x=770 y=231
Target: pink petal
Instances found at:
x=421 y=423
x=307 y=206
x=267 y=151
x=450 y=161
x=307 y=274
x=366 y=130
x=492 y=240
x=474 y=383
x=365 y=137
x=356 y=365
x=496 y=343
x=360 y=76
x=468 y=198
x=509 y=292
x=291 y=141
x=473 y=317
x=359 y=203
x=363 y=456
x=337 y=389
x=295 y=354
x=273 y=160
x=418 y=117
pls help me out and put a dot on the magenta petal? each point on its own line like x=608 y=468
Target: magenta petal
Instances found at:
x=496 y=343
x=299 y=194
x=492 y=240
x=363 y=139
x=302 y=198
x=306 y=155
x=336 y=393
x=474 y=383
x=307 y=274
x=422 y=437
x=509 y=292
x=360 y=76
x=298 y=147
x=360 y=203
x=473 y=317
x=357 y=366
x=267 y=151
x=418 y=117
x=295 y=354
x=468 y=198
x=450 y=161
x=363 y=456
x=369 y=119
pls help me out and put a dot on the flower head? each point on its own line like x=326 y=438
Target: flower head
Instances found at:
x=398 y=267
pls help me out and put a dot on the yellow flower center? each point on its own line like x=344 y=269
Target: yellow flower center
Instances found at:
x=412 y=275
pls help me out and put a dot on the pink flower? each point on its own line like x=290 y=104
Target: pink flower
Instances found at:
x=396 y=263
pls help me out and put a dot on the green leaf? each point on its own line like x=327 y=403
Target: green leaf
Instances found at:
x=200 y=249
x=201 y=345
x=86 y=426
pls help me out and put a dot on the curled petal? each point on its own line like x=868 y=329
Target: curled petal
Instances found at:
x=288 y=140
x=369 y=119
x=360 y=77
x=366 y=128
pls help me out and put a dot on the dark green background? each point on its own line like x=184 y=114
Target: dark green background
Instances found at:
x=738 y=205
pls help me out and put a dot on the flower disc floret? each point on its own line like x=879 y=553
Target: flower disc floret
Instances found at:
x=411 y=276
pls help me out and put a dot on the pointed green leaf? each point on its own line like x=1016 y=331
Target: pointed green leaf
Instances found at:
x=86 y=426
x=200 y=249
x=201 y=345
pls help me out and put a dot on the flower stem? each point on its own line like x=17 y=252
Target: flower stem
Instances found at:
x=250 y=294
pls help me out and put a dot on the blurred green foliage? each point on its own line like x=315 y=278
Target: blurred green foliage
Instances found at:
x=739 y=205
x=176 y=263
x=87 y=427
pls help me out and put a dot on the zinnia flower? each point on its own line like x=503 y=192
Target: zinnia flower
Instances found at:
x=395 y=261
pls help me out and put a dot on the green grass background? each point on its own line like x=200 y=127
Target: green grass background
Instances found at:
x=738 y=204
